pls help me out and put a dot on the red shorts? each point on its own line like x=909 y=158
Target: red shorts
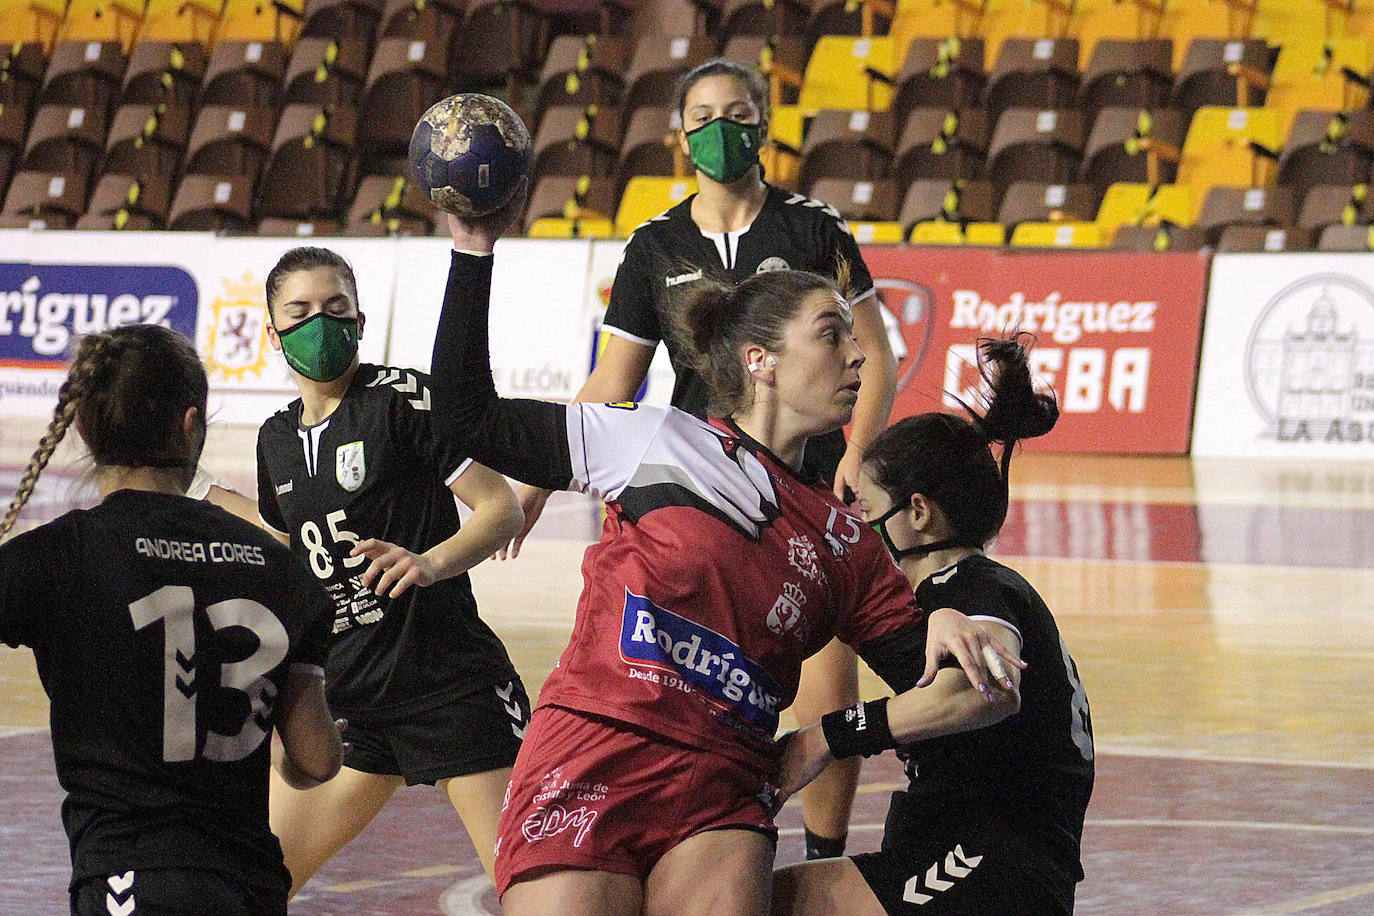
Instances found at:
x=590 y=793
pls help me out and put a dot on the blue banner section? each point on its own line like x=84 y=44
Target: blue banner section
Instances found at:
x=701 y=657
x=44 y=306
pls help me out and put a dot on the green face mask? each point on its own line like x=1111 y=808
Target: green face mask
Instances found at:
x=321 y=347
x=724 y=150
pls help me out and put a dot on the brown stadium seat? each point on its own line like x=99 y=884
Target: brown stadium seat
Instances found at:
x=577 y=199
x=66 y=139
x=299 y=228
x=147 y=139
x=164 y=71
x=406 y=78
x=14 y=126
x=1214 y=72
x=1122 y=142
x=1222 y=207
x=1126 y=73
x=1347 y=238
x=310 y=164
x=335 y=19
x=229 y=140
x=668 y=17
x=847 y=144
x=573 y=140
x=762 y=17
x=1036 y=145
x=1159 y=238
x=1327 y=147
x=120 y=220
x=1265 y=238
x=656 y=64
x=390 y=205
x=866 y=201
x=940 y=73
x=650 y=144
x=583 y=70
x=21 y=73
x=420 y=20
x=941 y=143
x=1336 y=204
x=953 y=201
x=83 y=73
x=47 y=197
x=849 y=17
x=145 y=201
x=213 y=203
x=780 y=58
x=1044 y=202
x=1033 y=73
x=326 y=71
x=245 y=73
x=500 y=42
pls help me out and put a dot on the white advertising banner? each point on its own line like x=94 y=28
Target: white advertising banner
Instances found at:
x=1287 y=357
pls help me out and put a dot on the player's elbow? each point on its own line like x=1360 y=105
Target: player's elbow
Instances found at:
x=308 y=770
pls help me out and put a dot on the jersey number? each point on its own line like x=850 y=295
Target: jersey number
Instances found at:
x=183 y=685
x=321 y=561
x=1081 y=724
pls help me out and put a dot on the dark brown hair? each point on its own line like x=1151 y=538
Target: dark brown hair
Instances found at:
x=308 y=257
x=127 y=390
x=752 y=81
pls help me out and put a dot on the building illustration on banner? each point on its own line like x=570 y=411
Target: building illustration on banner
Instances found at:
x=1310 y=361
x=236 y=348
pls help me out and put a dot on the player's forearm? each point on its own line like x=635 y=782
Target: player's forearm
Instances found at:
x=492 y=524
x=949 y=705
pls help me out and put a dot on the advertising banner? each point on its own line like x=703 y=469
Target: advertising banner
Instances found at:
x=1117 y=336
x=1288 y=357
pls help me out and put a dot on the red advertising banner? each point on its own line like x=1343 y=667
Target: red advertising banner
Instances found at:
x=1117 y=335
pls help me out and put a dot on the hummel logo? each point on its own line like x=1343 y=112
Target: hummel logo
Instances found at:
x=286 y=488
x=682 y=278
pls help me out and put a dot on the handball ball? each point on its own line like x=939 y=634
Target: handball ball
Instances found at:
x=468 y=153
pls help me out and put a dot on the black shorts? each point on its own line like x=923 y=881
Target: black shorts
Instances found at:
x=471 y=734
x=969 y=868
x=174 y=892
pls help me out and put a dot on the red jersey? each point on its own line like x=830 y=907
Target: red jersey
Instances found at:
x=718 y=572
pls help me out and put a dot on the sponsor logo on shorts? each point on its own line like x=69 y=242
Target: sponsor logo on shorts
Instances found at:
x=556 y=819
x=702 y=659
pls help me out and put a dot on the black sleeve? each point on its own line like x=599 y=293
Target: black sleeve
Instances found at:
x=632 y=307
x=899 y=657
x=268 y=507
x=524 y=439
x=838 y=242
x=34 y=568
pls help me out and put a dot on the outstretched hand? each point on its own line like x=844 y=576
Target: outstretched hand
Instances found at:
x=479 y=233
x=981 y=656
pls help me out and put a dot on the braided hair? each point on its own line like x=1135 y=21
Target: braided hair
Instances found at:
x=127 y=390
x=949 y=460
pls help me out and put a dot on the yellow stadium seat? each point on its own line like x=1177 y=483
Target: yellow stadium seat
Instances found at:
x=1141 y=205
x=1312 y=74
x=836 y=75
x=1205 y=19
x=1217 y=148
x=548 y=227
x=1057 y=235
x=876 y=233
x=102 y=20
x=943 y=233
x=31 y=20
x=781 y=158
x=181 y=20
x=646 y=196
x=259 y=20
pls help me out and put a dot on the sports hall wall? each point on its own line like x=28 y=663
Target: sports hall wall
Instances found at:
x=1149 y=353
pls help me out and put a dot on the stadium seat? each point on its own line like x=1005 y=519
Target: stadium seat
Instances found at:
x=245 y=72
x=1330 y=74
x=860 y=201
x=1222 y=73
x=1336 y=205
x=1164 y=237
x=1133 y=145
x=848 y=72
x=940 y=72
x=941 y=143
x=499 y=42
x=1095 y=21
x=147 y=139
x=1126 y=204
x=1264 y=238
x=942 y=233
x=951 y=201
x=936 y=19
x=1214 y=20
x=420 y=20
x=326 y=71
x=145 y=201
x=1036 y=145
x=228 y=140
x=36 y=21
x=298 y=228
x=1217 y=149
x=1042 y=202
x=406 y=77
x=1346 y=238
x=1223 y=207
x=650 y=145
x=876 y=233
x=583 y=70
x=663 y=17
x=164 y=71
x=14 y=126
x=567 y=206
x=183 y=21
x=1057 y=235
x=340 y=19
x=21 y=73
x=762 y=17
x=55 y=200
x=655 y=65
x=390 y=205
x=646 y=196
x=213 y=203
x=260 y=20
x=1138 y=74
x=847 y=144
x=65 y=139
x=82 y=73
x=866 y=18
x=577 y=140
x=1033 y=73
x=310 y=163
x=780 y=58
x=1327 y=147
x=116 y=21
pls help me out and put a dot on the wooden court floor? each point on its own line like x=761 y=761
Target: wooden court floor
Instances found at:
x=1221 y=613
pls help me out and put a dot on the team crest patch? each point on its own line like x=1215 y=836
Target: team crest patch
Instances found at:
x=773 y=263
x=350 y=468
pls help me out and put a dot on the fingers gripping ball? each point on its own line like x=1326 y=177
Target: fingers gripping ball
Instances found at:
x=469 y=152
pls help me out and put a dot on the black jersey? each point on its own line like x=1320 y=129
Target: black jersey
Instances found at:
x=670 y=252
x=1038 y=762
x=163 y=628
x=373 y=469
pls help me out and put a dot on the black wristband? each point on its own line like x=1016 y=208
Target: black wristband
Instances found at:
x=859 y=729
